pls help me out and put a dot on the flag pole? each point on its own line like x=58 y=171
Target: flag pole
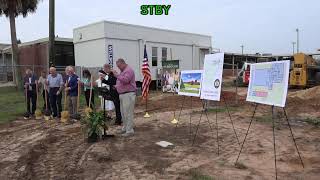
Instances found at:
x=145 y=90
x=146 y=114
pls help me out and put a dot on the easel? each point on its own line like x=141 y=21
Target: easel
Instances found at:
x=274 y=140
x=205 y=110
x=177 y=121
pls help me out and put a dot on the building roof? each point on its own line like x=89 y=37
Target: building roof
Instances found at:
x=3 y=46
x=116 y=30
x=38 y=41
x=140 y=26
x=267 y=55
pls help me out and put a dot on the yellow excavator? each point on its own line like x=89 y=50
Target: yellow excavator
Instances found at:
x=305 y=71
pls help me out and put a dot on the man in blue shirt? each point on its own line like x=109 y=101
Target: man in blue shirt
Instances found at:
x=55 y=85
x=72 y=90
x=30 y=81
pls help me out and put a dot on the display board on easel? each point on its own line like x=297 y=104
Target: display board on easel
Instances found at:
x=190 y=83
x=269 y=83
x=207 y=88
x=212 y=77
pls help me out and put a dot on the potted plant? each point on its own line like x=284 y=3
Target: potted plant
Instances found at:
x=94 y=125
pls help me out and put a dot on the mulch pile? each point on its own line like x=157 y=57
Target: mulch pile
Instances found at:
x=308 y=99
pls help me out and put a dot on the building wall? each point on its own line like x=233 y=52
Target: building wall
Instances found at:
x=90 y=53
x=120 y=31
x=95 y=54
x=89 y=33
x=34 y=57
x=91 y=46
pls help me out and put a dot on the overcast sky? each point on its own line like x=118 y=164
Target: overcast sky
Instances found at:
x=266 y=26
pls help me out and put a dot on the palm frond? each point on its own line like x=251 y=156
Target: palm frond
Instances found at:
x=19 y=7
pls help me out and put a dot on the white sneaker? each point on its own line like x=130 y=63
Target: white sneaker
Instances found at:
x=127 y=134
x=121 y=131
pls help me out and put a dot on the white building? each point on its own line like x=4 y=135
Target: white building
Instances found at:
x=101 y=42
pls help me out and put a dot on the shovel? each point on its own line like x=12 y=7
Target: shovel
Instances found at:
x=65 y=115
x=47 y=113
x=26 y=114
x=77 y=116
x=38 y=112
x=88 y=110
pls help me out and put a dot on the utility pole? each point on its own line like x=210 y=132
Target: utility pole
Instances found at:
x=242 y=47
x=297 y=30
x=51 y=33
x=293 y=45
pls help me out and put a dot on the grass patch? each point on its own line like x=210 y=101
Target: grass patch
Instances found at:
x=313 y=121
x=189 y=91
x=197 y=175
x=264 y=119
x=12 y=103
x=222 y=109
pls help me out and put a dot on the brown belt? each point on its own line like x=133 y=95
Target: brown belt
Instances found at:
x=126 y=92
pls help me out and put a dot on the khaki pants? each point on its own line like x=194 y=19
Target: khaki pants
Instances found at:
x=72 y=101
x=127 y=102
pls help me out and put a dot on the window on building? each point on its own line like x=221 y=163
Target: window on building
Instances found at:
x=164 y=54
x=154 y=56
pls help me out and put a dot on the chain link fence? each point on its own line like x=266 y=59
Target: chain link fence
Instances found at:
x=7 y=75
x=7 y=72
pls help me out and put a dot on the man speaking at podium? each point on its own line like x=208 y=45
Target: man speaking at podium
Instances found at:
x=111 y=81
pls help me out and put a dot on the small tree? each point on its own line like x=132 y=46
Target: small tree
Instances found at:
x=12 y=9
x=182 y=84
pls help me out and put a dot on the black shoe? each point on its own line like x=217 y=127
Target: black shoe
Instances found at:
x=118 y=123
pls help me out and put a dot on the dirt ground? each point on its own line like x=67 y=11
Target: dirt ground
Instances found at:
x=33 y=149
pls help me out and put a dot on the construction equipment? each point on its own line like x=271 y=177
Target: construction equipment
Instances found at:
x=244 y=75
x=305 y=72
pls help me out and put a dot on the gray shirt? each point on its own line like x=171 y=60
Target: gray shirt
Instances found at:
x=55 y=81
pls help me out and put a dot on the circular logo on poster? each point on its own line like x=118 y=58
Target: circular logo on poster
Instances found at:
x=217 y=83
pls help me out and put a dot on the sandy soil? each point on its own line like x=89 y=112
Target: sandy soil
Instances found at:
x=31 y=149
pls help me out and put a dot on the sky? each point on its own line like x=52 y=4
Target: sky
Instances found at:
x=191 y=77
x=262 y=26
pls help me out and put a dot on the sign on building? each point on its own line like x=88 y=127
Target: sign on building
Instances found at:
x=110 y=55
x=170 y=64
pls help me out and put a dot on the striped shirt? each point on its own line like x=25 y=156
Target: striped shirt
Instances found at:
x=56 y=81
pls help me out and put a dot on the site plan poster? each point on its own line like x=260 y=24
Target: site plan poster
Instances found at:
x=190 y=83
x=212 y=76
x=268 y=83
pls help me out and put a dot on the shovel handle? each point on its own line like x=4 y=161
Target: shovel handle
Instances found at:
x=46 y=96
x=65 y=98
x=91 y=86
x=78 y=98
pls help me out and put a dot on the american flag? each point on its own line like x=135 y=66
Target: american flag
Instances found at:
x=146 y=75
